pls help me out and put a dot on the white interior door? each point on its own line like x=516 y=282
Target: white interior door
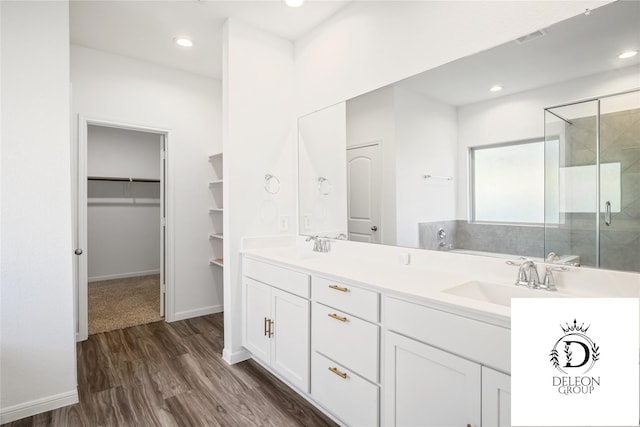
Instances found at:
x=363 y=193
x=163 y=224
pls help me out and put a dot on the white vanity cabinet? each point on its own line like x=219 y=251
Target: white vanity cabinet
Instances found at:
x=345 y=362
x=429 y=387
x=276 y=319
x=436 y=371
x=496 y=398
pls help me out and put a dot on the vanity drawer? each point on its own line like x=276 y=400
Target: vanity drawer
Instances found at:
x=356 y=301
x=346 y=339
x=472 y=339
x=352 y=399
x=288 y=280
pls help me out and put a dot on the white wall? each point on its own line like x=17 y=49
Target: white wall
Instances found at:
x=370 y=119
x=117 y=88
x=368 y=45
x=37 y=366
x=521 y=116
x=259 y=137
x=123 y=219
x=322 y=151
x=426 y=138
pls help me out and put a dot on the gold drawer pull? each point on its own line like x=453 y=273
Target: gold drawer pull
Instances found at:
x=335 y=316
x=338 y=373
x=338 y=288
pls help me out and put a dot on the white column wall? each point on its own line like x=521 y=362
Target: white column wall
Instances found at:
x=37 y=349
x=259 y=137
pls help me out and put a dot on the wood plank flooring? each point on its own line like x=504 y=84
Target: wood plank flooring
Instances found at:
x=171 y=374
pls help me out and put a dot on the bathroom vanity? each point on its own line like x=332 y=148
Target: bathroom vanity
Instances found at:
x=375 y=342
x=372 y=341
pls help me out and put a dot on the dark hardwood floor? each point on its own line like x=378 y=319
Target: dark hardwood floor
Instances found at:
x=171 y=374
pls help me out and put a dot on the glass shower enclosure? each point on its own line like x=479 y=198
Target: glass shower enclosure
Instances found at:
x=592 y=182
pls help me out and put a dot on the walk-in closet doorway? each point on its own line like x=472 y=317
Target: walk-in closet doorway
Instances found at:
x=123 y=235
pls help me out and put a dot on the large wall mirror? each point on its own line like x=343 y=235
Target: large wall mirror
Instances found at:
x=492 y=154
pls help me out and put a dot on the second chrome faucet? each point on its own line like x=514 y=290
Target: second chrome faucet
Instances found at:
x=528 y=275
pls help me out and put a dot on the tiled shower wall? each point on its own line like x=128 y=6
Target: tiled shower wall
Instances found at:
x=517 y=240
x=576 y=235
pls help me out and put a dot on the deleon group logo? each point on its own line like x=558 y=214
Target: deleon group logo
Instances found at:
x=575 y=354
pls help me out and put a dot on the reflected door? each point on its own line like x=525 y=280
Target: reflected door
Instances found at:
x=363 y=207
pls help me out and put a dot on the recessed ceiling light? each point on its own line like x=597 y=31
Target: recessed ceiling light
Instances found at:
x=294 y=3
x=628 y=54
x=183 y=41
x=495 y=88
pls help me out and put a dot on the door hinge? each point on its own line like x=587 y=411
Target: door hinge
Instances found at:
x=163 y=222
x=163 y=288
x=163 y=154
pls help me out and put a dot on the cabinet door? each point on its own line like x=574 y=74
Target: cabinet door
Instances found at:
x=428 y=387
x=496 y=398
x=257 y=313
x=290 y=346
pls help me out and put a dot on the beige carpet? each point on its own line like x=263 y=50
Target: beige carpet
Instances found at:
x=120 y=303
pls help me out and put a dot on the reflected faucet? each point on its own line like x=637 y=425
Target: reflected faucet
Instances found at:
x=319 y=245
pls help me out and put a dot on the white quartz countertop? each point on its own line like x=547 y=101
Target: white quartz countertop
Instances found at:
x=426 y=283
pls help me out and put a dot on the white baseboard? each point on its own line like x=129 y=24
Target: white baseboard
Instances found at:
x=235 y=357
x=182 y=315
x=123 y=275
x=49 y=403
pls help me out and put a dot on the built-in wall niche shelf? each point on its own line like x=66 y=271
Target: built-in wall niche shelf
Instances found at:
x=120 y=179
x=216 y=261
x=216 y=210
x=215 y=236
x=215 y=183
x=215 y=156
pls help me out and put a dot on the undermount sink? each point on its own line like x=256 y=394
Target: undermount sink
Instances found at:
x=497 y=294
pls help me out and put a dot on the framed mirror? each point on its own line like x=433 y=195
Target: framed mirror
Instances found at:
x=457 y=158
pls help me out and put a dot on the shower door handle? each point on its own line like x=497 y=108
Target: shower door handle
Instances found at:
x=607 y=213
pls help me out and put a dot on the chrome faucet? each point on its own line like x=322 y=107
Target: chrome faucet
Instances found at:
x=528 y=275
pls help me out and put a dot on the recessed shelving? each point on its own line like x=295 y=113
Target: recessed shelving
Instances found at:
x=217 y=188
x=215 y=156
x=216 y=261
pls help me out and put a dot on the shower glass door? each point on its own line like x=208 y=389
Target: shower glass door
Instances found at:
x=620 y=182
x=592 y=182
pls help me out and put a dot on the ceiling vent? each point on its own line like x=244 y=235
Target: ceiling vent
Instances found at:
x=530 y=37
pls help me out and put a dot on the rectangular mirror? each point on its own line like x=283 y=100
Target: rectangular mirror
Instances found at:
x=445 y=160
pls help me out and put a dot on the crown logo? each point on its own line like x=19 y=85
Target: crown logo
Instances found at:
x=575 y=327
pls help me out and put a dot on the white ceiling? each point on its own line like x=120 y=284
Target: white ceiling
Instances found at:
x=578 y=47
x=145 y=29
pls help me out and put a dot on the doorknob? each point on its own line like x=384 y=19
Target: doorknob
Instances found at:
x=78 y=251
x=374 y=228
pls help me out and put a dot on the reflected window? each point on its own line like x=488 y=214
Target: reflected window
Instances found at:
x=507 y=182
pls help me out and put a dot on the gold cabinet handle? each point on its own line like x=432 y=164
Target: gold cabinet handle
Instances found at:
x=266 y=323
x=338 y=288
x=338 y=373
x=335 y=316
x=271 y=322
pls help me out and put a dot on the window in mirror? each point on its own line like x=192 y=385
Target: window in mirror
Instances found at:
x=507 y=182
